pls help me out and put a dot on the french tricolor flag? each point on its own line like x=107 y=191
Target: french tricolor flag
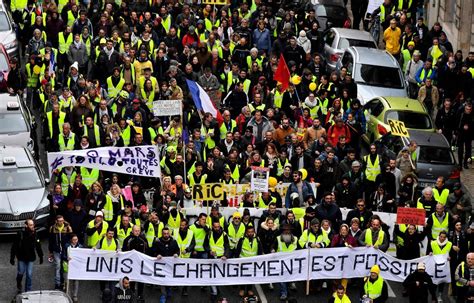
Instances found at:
x=202 y=101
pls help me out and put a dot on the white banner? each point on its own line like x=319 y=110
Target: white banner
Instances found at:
x=259 y=179
x=167 y=108
x=326 y=263
x=136 y=160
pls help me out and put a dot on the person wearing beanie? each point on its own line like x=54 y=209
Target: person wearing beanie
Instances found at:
x=375 y=288
x=305 y=43
x=418 y=284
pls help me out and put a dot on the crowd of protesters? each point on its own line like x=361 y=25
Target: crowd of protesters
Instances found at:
x=93 y=69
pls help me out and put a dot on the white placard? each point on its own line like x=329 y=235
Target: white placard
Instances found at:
x=300 y=265
x=167 y=108
x=259 y=179
x=136 y=160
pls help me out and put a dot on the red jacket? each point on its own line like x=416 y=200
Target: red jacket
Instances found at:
x=338 y=241
x=335 y=132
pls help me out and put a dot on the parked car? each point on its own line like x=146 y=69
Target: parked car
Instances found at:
x=376 y=73
x=337 y=40
x=17 y=124
x=434 y=156
x=411 y=112
x=330 y=13
x=23 y=190
x=37 y=296
x=8 y=30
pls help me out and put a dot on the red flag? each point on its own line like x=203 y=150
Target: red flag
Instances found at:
x=282 y=74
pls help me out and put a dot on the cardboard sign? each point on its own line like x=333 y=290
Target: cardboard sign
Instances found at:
x=410 y=215
x=167 y=108
x=398 y=128
x=259 y=179
x=208 y=191
x=215 y=2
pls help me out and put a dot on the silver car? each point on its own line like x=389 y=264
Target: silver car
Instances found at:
x=8 y=31
x=376 y=73
x=23 y=190
x=17 y=124
x=37 y=296
x=434 y=157
x=337 y=40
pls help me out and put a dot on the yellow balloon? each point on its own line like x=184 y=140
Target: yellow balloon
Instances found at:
x=312 y=86
x=304 y=173
x=296 y=79
x=272 y=182
x=36 y=70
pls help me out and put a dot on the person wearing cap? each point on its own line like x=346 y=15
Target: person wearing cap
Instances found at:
x=375 y=288
x=410 y=72
x=286 y=242
x=235 y=231
x=419 y=284
x=459 y=204
x=96 y=229
x=375 y=236
x=464 y=281
x=141 y=63
x=154 y=130
x=313 y=237
x=167 y=161
x=407 y=53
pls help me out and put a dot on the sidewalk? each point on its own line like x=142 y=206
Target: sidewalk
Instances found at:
x=467 y=179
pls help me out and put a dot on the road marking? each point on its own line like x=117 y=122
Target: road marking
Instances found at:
x=261 y=294
x=391 y=294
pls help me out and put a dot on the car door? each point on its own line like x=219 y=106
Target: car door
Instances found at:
x=330 y=42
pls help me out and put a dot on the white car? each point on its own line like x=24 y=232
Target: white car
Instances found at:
x=376 y=73
x=8 y=31
x=17 y=124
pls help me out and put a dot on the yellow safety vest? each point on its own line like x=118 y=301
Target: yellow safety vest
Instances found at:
x=368 y=238
x=437 y=250
x=442 y=197
x=402 y=228
x=261 y=203
x=126 y=136
x=166 y=22
x=373 y=290
x=249 y=249
x=109 y=207
x=173 y=223
x=141 y=82
x=106 y=246
x=209 y=221
x=96 y=133
x=70 y=18
x=277 y=98
x=199 y=237
x=282 y=247
x=192 y=181
x=309 y=237
x=65 y=182
x=94 y=239
x=235 y=235
x=250 y=61
x=439 y=226
x=88 y=178
x=463 y=266
x=345 y=299
x=217 y=246
x=372 y=170
x=148 y=97
x=112 y=90
x=61 y=118
x=32 y=78
x=70 y=143
x=223 y=128
x=184 y=243
x=122 y=233
x=151 y=233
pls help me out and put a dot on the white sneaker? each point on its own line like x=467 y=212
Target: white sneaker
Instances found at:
x=292 y=286
x=440 y=298
x=270 y=286
x=325 y=285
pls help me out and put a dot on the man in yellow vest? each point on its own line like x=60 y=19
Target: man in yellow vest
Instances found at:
x=200 y=231
x=67 y=140
x=463 y=277
x=54 y=124
x=153 y=228
x=228 y=125
x=93 y=132
x=198 y=176
x=313 y=237
x=235 y=231
x=375 y=288
x=339 y=296
x=248 y=246
x=286 y=242
x=123 y=229
x=219 y=248
x=96 y=229
x=110 y=243
x=374 y=236
x=65 y=39
x=186 y=243
x=440 y=220
x=115 y=83
x=372 y=169
x=440 y=192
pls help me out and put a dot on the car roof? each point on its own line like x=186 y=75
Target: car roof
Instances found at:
x=373 y=56
x=38 y=296
x=4 y=103
x=353 y=34
x=402 y=103
x=22 y=158
x=424 y=138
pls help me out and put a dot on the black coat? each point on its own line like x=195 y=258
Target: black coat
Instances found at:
x=26 y=246
x=420 y=291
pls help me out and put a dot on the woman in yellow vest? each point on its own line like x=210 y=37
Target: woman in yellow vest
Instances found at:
x=440 y=246
x=114 y=203
x=375 y=288
x=147 y=94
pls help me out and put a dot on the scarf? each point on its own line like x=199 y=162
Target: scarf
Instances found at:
x=57 y=198
x=441 y=244
x=108 y=52
x=77 y=44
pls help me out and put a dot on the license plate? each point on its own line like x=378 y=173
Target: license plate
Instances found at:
x=15 y=224
x=424 y=184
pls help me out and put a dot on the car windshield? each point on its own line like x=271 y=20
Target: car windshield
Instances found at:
x=329 y=10
x=410 y=119
x=4 y=66
x=381 y=76
x=4 y=24
x=12 y=123
x=21 y=178
x=435 y=154
x=345 y=43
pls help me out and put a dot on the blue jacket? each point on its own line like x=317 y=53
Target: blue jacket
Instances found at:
x=420 y=80
x=262 y=40
x=307 y=191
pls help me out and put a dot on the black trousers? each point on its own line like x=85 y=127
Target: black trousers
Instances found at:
x=464 y=150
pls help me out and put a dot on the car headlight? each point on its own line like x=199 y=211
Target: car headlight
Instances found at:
x=42 y=211
x=10 y=45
